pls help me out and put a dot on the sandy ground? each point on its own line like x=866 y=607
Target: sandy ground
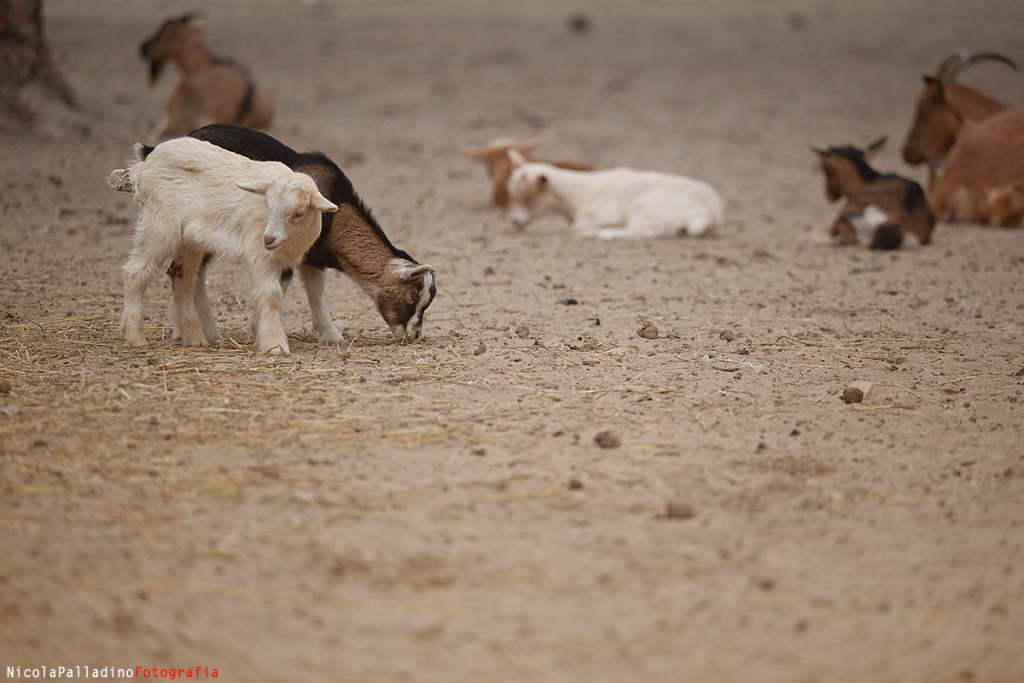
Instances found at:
x=394 y=513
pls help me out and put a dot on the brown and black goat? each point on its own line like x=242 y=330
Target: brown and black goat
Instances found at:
x=213 y=89
x=943 y=107
x=881 y=210
x=350 y=240
x=495 y=156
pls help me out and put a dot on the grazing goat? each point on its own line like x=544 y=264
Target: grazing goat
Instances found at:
x=982 y=179
x=614 y=203
x=213 y=88
x=880 y=210
x=351 y=241
x=197 y=199
x=494 y=155
x=944 y=105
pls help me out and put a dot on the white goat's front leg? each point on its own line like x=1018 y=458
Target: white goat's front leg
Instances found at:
x=183 y=285
x=269 y=297
x=153 y=246
x=314 y=279
x=202 y=299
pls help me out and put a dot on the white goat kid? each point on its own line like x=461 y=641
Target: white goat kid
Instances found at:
x=196 y=198
x=616 y=203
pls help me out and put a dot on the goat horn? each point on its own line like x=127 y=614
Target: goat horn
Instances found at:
x=954 y=64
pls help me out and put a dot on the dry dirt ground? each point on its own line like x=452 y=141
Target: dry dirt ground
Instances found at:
x=381 y=512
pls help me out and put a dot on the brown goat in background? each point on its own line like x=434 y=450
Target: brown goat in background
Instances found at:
x=213 y=89
x=495 y=157
x=943 y=107
x=881 y=210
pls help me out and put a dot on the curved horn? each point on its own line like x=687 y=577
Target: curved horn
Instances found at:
x=951 y=66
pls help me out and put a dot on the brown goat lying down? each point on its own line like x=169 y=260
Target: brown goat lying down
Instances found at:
x=213 y=89
x=982 y=179
x=880 y=210
x=944 y=106
x=495 y=157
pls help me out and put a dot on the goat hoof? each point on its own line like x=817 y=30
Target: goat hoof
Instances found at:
x=331 y=335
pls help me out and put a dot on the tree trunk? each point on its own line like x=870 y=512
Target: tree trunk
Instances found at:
x=24 y=54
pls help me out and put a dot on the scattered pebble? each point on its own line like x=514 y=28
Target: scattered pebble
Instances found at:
x=479 y=452
x=480 y=349
x=522 y=331
x=648 y=331
x=856 y=392
x=569 y=301
x=727 y=335
x=852 y=395
x=5 y=387
x=153 y=360
x=575 y=484
x=675 y=509
x=607 y=439
x=579 y=23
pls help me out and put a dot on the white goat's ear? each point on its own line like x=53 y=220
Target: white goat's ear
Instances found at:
x=410 y=273
x=516 y=157
x=323 y=204
x=257 y=181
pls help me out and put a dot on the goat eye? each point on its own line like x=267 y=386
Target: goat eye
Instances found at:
x=298 y=214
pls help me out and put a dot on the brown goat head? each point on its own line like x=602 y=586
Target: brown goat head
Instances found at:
x=845 y=167
x=494 y=156
x=936 y=121
x=169 y=41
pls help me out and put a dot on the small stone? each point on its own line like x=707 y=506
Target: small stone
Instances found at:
x=727 y=335
x=575 y=484
x=607 y=439
x=479 y=452
x=569 y=301
x=5 y=387
x=579 y=23
x=480 y=349
x=1019 y=373
x=648 y=331
x=488 y=270
x=856 y=392
x=153 y=360
x=852 y=395
x=679 y=510
x=522 y=331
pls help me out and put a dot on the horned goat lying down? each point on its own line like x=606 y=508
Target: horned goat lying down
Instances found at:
x=982 y=179
x=945 y=105
x=351 y=241
x=494 y=156
x=881 y=211
x=616 y=203
x=195 y=199
x=212 y=87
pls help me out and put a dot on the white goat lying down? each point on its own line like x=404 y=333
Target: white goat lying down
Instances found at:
x=196 y=198
x=614 y=203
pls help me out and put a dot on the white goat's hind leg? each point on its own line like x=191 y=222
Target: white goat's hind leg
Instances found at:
x=270 y=334
x=206 y=317
x=184 y=297
x=313 y=279
x=152 y=247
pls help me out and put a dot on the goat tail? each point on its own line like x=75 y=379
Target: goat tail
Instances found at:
x=121 y=180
